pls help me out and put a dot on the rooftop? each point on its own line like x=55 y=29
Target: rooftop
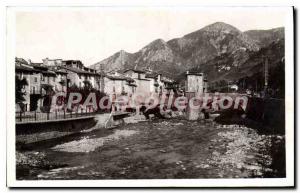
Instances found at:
x=151 y=75
x=194 y=73
x=135 y=70
x=24 y=68
x=21 y=60
x=79 y=71
x=120 y=77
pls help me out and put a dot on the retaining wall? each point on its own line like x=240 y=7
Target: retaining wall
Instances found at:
x=40 y=131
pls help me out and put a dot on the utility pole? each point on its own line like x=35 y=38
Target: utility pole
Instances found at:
x=266 y=74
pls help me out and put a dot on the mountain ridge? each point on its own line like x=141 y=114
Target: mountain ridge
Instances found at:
x=195 y=50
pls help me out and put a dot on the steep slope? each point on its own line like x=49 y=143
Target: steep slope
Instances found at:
x=264 y=38
x=160 y=57
x=183 y=53
x=221 y=67
x=219 y=50
x=117 y=61
x=211 y=41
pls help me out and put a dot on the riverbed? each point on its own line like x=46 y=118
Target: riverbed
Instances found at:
x=159 y=149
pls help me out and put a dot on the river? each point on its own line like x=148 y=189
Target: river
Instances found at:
x=160 y=149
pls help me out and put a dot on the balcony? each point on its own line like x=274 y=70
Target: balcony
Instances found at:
x=37 y=91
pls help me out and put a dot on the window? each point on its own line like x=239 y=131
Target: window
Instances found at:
x=42 y=78
x=33 y=90
x=35 y=79
x=79 y=76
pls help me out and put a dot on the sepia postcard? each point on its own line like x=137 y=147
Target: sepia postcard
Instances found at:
x=170 y=96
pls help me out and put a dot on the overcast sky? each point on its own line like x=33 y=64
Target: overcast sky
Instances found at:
x=92 y=34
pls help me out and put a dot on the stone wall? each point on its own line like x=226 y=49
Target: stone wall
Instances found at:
x=40 y=131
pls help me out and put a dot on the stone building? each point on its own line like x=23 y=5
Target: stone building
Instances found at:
x=60 y=83
x=142 y=83
x=118 y=85
x=168 y=85
x=52 y=62
x=161 y=84
x=195 y=83
x=80 y=76
x=154 y=79
x=41 y=81
x=24 y=71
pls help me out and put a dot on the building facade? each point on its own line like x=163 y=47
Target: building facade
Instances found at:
x=195 y=83
x=57 y=75
x=118 y=84
x=41 y=81
x=47 y=78
x=142 y=83
x=80 y=76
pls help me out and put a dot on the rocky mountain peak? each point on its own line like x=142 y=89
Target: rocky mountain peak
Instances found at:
x=157 y=44
x=220 y=26
x=215 y=49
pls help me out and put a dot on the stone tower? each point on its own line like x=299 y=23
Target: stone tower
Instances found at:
x=195 y=83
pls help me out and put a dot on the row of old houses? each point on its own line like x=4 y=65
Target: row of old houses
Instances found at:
x=57 y=75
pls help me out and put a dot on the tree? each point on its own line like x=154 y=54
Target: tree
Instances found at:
x=20 y=92
x=87 y=85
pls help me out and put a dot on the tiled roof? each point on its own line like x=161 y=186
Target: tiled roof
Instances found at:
x=61 y=71
x=21 y=60
x=25 y=68
x=151 y=75
x=78 y=71
x=135 y=70
x=194 y=73
x=48 y=72
x=72 y=61
x=58 y=70
x=143 y=79
x=39 y=66
x=120 y=78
